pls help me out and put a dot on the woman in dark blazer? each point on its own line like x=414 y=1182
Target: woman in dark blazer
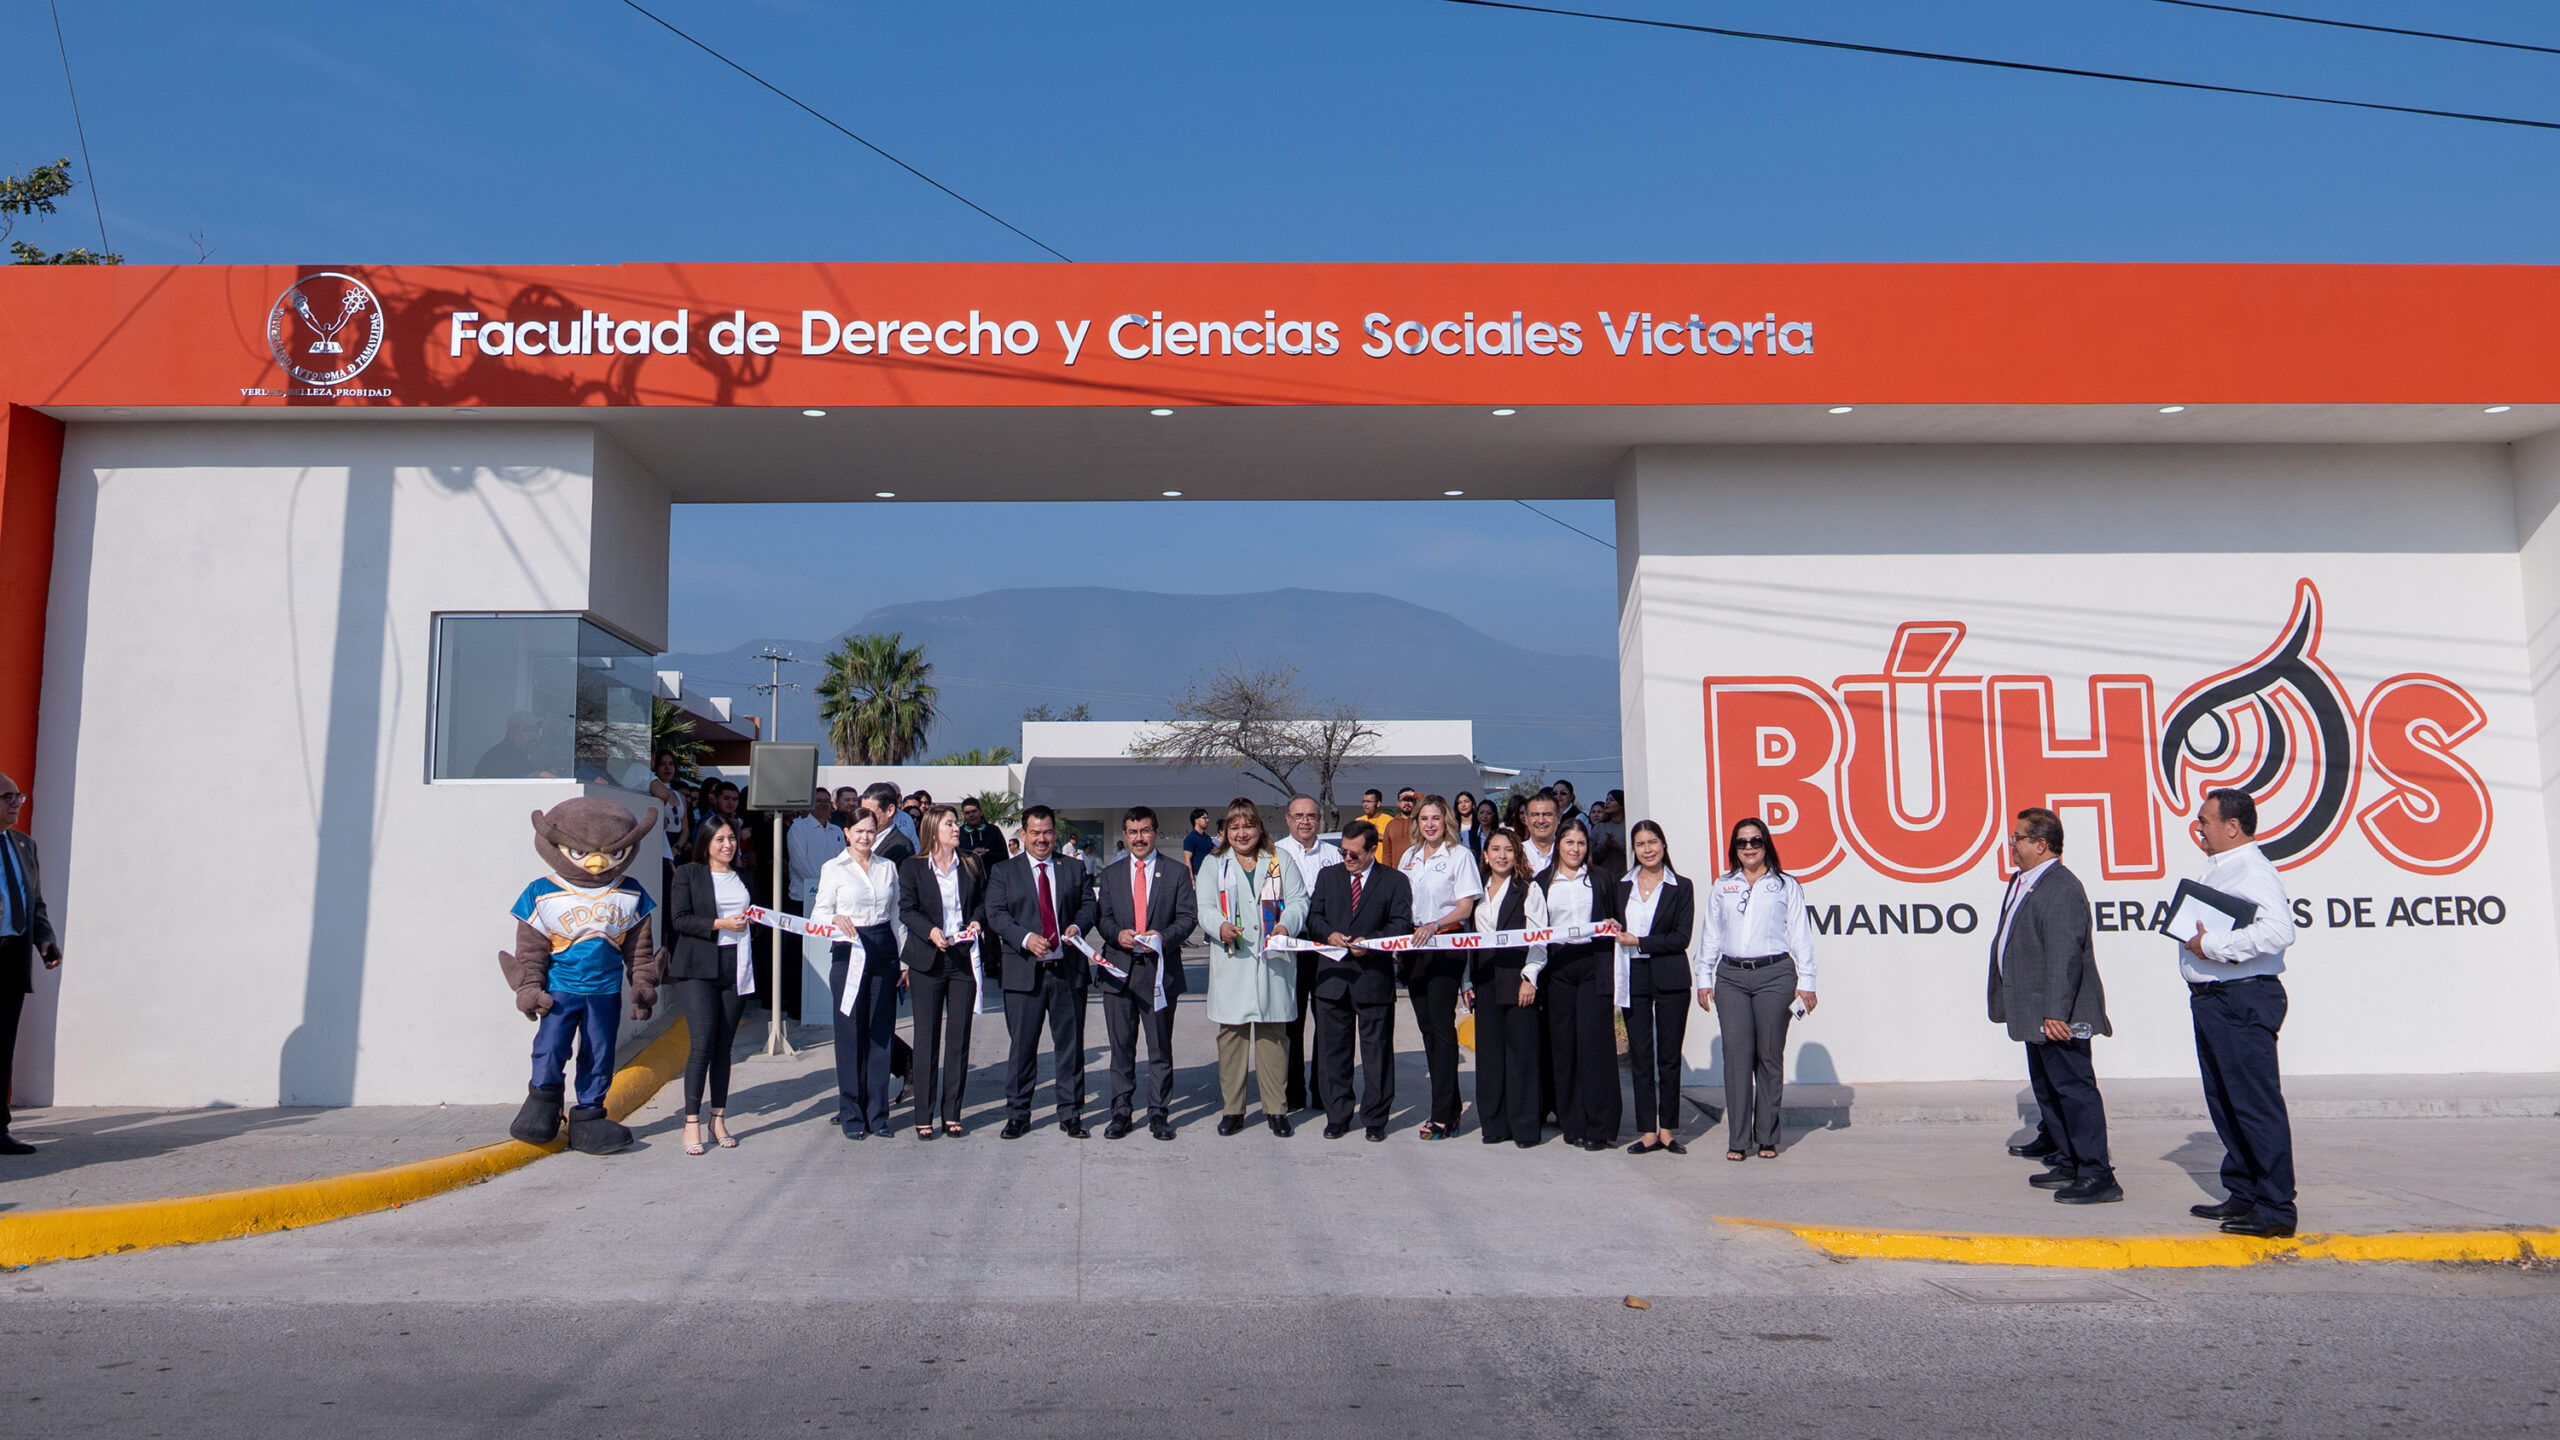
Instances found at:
x=1579 y=986
x=1660 y=912
x=942 y=899
x=703 y=972
x=1510 y=1029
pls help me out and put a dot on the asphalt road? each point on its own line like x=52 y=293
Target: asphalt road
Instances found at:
x=2408 y=1352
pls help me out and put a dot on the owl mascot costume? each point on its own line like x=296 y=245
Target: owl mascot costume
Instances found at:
x=580 y=932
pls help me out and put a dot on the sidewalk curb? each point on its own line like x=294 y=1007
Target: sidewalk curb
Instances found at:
x=2167 y=1252
x=36 y=1237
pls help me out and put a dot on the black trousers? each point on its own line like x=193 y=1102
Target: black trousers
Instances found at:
x=2236 y=1025
x=1510 y=1039
x=2071 y=1110
x=1656 y=1024
x=944 y=1006
x=711 y=1010
x=866 y=1033
x=1125 y=1014
x=13 y=1002
x=1339 y=1023
x=1434 y=992
x=1582 y=1033
x=1302 y=1077
x=1061 y=1005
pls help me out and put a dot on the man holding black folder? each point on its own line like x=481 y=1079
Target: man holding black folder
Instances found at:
x=2238 y=1002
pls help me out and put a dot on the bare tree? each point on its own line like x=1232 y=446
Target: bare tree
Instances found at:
x=1333 y=740
x=1259 y=721
x=1246 y=718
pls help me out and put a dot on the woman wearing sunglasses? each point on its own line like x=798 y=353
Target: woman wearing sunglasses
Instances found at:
x=1755 y=959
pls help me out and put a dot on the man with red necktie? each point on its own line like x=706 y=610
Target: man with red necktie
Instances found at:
x=1146 y=912
x=1355 y=994
x=1038 y=903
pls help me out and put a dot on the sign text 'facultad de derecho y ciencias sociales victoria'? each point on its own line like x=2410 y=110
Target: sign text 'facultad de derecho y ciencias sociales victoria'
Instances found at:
x=1137 y=335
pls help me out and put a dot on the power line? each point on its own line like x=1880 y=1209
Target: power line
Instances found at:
x=2357 y=25
x=839 y=129
x=78 y=129
x=1991 y=64
x=1576 y=529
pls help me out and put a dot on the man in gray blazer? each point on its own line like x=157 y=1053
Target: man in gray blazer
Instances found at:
x=26 y=936
x=2044 y=987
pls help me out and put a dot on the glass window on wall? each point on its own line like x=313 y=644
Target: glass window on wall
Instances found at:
x=540 y=697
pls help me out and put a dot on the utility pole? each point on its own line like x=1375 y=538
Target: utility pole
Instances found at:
x=777 y=1035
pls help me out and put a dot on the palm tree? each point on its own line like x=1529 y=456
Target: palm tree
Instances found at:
x=672 y=731
x=877 y=700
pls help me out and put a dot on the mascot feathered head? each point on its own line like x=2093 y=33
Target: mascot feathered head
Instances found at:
x=589 y=842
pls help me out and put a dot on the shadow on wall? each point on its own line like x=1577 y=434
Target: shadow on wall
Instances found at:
x=318 y=1063
x=1813 y=1066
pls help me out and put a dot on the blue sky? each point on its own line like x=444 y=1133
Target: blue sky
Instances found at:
x=577 y=131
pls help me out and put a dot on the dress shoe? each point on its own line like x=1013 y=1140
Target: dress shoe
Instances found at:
x=1676 y=1148
x=10 y=1145
x=1597 y=1147
x=1377 y=1134
x=2099 y=1189
x=2035 y=1149
x=1073 y=1129
x=1489 y=1138
x=2057 y=1178
x=1015 y=1128
x=1525 y=1144
x=1230 y=1124
x=856 y=1132
x=1163 y=1131
x=1280 y=1125
x=2259 y=1225
x=1118 y=1127
x=2227 y=1210
x=1336 y=1132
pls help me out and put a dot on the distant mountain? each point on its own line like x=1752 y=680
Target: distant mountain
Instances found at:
x=1126 y=653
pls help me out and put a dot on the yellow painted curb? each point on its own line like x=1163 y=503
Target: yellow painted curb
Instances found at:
x=2135 y=1252
x=37 y=1236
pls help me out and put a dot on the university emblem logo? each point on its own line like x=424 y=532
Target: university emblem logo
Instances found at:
x=325 y=329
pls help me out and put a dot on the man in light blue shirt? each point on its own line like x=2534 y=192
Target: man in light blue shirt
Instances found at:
x=2238 y=1004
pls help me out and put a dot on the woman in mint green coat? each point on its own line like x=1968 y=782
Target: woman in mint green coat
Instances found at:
x=1247 y=891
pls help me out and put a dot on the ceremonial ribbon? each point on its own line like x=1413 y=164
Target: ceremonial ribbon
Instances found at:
x=1460 y=940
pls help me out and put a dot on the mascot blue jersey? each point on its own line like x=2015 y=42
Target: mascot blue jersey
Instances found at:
x=586 y=930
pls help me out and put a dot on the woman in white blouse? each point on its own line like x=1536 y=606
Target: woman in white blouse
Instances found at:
x=1755 y=956
x=1445 y=889
x=1503 y=991
x=706 y=910
x=1579 y=981
x=858 y=894
x=1248 y=892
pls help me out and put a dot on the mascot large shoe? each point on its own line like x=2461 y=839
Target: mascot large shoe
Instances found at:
x=538 y=1123
x=592 y=1132
x=582 y=932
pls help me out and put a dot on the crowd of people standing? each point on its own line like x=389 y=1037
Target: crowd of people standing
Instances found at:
x=938 y=903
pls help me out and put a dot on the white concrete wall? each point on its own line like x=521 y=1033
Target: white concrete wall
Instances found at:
x=2175 y=562
x=262 y=899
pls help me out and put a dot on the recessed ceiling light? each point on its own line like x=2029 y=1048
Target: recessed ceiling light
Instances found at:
x=1160 y=410
x=815 y=414
x=884 y=494
x=2173 y=409
x=1842 y=409
x=2492 y=410
x=1172 y=494
x=121 y=411
x=465 y=410
x=1453 y=492
x=1506 y=410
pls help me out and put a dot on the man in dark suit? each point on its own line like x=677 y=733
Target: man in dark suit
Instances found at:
x=1354 y=901
x=1037 y=901
x=1145 y=897
x=2044 y=987
x=26 y=936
